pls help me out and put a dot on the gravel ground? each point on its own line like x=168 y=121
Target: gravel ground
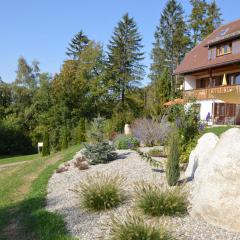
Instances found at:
x=89 y=226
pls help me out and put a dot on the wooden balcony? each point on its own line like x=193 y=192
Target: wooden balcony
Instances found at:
x=208 y=93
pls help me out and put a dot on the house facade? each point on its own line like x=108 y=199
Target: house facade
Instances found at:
x=211 y=73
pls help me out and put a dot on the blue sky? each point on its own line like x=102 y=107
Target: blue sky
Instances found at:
x=42 y=29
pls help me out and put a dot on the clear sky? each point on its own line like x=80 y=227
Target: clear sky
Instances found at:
x=42 y=29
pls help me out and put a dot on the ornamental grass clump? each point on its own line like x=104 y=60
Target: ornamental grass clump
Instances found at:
x=101 y=192
x=136 y=228
x=157 y=201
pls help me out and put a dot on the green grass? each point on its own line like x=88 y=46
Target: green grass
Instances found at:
x=28 y=211
x=100 y=192
x=14 y=159
x=136 y=228
x=217 y=130
x=155 y=201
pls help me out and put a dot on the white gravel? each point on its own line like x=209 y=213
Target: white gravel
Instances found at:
x=89 y=226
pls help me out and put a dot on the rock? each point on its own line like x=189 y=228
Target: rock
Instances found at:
x=198 y=156
x=83 y=165
x=216 y=189
x=61 y=169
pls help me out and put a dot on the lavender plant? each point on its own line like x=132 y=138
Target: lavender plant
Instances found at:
x=150 y=132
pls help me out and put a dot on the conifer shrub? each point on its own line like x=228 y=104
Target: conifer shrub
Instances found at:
x=80 y=132
x=65 y=138
x=172 y=168
x=98 y=150
x=46 y=144
x=156 y=201
x=100 y=192
x=136 y=228
x=126 y=142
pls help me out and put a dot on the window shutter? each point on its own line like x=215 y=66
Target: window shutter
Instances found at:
x=236 y=47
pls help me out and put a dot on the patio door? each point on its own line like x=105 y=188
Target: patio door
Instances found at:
x=225 y=113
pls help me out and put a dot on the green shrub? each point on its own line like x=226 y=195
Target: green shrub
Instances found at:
x=126 y=142
x=172 y=168
x=99 y=150
x=186 y=150
x=135 y=228
x=46 y=144
x=101 y=192
x=155 y=201
x=156 y=153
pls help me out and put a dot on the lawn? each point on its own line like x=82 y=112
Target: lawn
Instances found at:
x=14 y=159
x=22 y=202
x=217 y=130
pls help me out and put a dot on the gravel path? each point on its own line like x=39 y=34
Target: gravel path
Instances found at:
x=89 y=226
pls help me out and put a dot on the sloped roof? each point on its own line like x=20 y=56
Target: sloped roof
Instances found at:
x=197 y=58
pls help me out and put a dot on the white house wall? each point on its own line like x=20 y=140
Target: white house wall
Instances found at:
x=189 y=82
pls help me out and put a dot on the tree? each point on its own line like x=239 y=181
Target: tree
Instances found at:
x=171 y=42
x=46 y=144
x=214 y=19
x=172 y=169
x=125 y=57
x=158 y=94
x=99 y=151
x=197 y=19
x=204 y=19
x=77 y=44
x=65 y=138
x=80 y=132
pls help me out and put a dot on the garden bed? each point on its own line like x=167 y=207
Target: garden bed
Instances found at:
x=84 y=225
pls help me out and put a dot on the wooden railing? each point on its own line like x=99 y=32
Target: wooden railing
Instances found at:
x=207 y=93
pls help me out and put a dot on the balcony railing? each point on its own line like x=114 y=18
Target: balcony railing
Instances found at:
x=208 y=93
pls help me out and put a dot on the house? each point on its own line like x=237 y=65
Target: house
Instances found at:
x=211 y=74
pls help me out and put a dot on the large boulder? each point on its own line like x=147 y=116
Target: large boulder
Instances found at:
x=197 y=157
x=216 y=189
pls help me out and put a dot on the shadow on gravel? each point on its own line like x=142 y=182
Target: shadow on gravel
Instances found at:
x=122 y=155
x=158 y=170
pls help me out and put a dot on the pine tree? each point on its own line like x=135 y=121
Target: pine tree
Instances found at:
x=173 y=171
x=197 y=19
x=125 y=57
x=77 y=44
x=204 y=19
x=171 y=42
x=213 y=20
x=46 y=144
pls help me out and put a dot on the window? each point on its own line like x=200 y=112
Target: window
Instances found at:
x=224 y=49
x=233 y=79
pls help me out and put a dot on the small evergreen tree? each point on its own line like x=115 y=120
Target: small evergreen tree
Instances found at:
x=46 y=144
x=173 y=171
x=99 y=150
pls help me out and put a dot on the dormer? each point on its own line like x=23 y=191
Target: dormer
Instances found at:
x=224 y=44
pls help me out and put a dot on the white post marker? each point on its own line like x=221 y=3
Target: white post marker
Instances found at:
x=40 y=146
